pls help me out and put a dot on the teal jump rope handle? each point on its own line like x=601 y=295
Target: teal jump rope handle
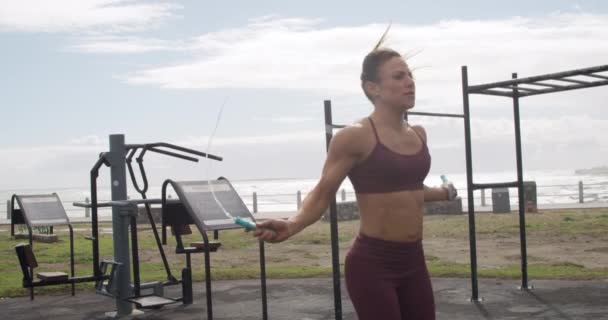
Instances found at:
x=250 y=226
x=444 y=179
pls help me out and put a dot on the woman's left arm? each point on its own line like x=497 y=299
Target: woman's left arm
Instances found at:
x=435 y=194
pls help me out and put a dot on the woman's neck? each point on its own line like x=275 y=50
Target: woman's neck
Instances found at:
x=389 y=117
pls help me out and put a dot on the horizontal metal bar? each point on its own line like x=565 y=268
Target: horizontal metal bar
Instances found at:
x=329 y=128
x=551 y=76
x=174 y=147
x=599 y=76
x=478 y=186
x=173 y=154
x=566 y=88
x=42 y=283
x=493 y=92
x=449 y=115
x=520 y=88
x=542 y=84
x=573 y=81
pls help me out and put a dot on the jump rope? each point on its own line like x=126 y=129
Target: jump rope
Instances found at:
x=248 y=225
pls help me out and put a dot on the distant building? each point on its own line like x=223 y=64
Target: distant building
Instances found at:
x=595 y=170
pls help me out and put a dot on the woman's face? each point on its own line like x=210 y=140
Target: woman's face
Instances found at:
x=395 y=86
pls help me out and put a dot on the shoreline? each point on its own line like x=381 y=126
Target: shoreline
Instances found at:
x=287 y=214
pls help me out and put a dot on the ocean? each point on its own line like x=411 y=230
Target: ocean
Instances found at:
x=281 y=195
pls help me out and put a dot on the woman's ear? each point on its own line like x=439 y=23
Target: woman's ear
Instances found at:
x=371 y=88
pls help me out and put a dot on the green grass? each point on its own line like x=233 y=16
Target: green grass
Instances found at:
x=308 y=254
x=571 y=222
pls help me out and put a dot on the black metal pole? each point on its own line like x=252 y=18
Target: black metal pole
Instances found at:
x=471 y=204
x=208 y=277
x=13 y=215
x=333 y=218
x=164 y=213
x=72 y=274
x=135 y=257
x=520 y=188
x=94 y=214
x=263 y=281
x=31 y=237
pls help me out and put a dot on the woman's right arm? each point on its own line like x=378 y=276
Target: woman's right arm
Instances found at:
x=343 y=153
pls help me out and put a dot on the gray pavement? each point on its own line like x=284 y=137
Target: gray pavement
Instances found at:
x=307 y=299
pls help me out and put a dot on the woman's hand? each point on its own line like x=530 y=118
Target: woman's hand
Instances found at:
x=451 y=191
x=273 y=231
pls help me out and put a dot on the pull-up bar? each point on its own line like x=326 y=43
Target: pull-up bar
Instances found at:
x=514 y=87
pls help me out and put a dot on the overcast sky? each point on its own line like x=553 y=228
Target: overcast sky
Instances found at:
x=74 y=71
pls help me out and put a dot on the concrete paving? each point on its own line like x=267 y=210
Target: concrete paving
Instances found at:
x=308 y=299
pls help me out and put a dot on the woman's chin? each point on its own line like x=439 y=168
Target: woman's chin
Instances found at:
x=408 y=106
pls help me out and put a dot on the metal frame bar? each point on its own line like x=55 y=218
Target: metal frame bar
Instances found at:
x=491 y=88
x=520 y=187
x=333 y=219
x=496 y=89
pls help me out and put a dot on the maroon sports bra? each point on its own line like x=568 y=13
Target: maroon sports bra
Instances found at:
x=386 y=171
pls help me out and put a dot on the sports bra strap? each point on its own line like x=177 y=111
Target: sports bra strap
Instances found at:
x=419 y=136
x=374 y=128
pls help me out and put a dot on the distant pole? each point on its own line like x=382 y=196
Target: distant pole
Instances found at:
x=581 y=196
x=87 y=211
x=299 y=199
x=343 y=195
x=8 y=210
x=483 y=197
x=255 y=202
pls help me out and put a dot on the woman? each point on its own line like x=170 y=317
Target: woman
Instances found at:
x=386 y=160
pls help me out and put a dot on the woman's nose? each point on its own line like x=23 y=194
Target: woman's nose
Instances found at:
x=409 y=82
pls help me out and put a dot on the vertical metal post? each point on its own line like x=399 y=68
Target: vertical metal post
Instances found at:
x=299 y=199
x=483 y=197
x=333 y=219
x=120 y=223
x=263 y=281
x=520 y=189
x=581 y=196
x=255 y=202
x=470 y=202
x=343 y=195
x=8 y=210
x=87 y=211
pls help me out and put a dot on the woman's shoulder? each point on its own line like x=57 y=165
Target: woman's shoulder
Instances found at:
x=357 y=130
x=420 y=131
x=355 y=136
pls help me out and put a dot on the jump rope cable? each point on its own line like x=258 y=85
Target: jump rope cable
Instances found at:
x=240 y=221
x=217 y=122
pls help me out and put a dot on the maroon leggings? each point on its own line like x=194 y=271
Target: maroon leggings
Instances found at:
x=388 y=280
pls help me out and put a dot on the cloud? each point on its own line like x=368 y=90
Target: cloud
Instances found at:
x=82 y=15
x=126 y=44
x=285 y=120
x=269 y=139
x=295 y=53
x=90 y=140
x=70 y=163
